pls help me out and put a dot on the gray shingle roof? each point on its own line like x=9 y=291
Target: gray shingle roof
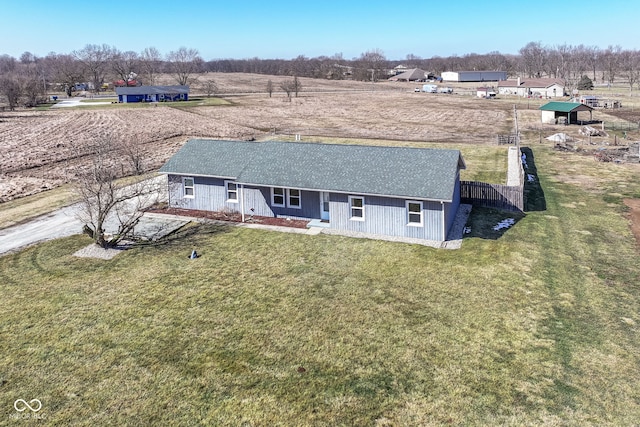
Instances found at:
x=421 y=173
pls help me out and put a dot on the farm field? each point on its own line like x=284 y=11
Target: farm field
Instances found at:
x=534 y=325
x=39 y=149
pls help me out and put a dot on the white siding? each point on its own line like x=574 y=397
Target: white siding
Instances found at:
x=548 y=117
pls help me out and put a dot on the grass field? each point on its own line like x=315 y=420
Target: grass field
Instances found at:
x=536 y=325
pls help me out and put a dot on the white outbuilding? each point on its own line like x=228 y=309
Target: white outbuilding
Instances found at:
x=474 y=76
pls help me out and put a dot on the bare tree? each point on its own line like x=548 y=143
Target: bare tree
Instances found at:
x=125 y=65
x=95 y=60
x=210 y=88
x=611 y=62
x=104 y=201
x=297 y=86
x=11 y=88
x=7 y=64
x=371 y=66
x=630 y=67
x=65 y=70
x=184 y=63
x=288 y=87
x=269 y=87
x=32 y=90
x=533 y=59
x=150 y=61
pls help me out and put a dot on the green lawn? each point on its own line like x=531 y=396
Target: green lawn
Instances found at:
x=537 y=325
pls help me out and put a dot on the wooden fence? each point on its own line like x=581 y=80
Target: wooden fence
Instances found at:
x=507 y=197
x=621 y=125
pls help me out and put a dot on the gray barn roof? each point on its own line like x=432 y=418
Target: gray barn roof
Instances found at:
x=410 y=75
x=420 y=173
x=151 y=90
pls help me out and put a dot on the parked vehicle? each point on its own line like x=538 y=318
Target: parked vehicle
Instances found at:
x=445 y=90
x=430 y=88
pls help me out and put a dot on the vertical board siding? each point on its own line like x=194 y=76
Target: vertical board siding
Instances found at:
x=210 y=195
x=385 y=215
x=259 y=198
x=451 y=209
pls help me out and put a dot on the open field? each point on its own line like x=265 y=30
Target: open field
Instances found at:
x=38 y=149
x=535 y=325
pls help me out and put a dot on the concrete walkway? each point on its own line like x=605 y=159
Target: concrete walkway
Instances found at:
x=77 y=102
x=513 y=166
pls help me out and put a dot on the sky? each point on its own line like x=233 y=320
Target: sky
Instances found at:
x=285 y=29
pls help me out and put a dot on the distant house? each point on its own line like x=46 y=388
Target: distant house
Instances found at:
x=390 y=191
x=413 y=75
x=152 y=93
x=474 y=76
x=537 y=88
x=563 y=112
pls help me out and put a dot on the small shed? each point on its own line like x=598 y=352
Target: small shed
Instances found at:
x=557 y=112
x=152 y=93
x=485 y=92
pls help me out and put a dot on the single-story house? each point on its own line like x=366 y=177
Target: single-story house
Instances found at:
x=474 y=76
x=540 y=88
x=152 y=93
x=556 y=112
x=391 y=191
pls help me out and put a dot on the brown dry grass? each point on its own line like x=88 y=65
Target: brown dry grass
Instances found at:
x=38 y=148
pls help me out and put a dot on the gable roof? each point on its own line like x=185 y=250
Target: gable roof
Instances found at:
x=565 y=107
x=532 y=83
x=151 y=90
x=421 y=173
x=411 y=75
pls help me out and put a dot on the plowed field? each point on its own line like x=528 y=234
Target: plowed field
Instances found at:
x=38 y=149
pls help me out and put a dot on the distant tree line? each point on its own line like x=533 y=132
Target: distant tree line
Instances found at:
x=27 y=79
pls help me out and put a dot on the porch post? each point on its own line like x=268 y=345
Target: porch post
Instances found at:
x=444 y=223
x=242 y=201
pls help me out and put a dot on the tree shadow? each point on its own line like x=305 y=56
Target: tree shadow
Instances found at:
x=193 y=235
x=534 y=199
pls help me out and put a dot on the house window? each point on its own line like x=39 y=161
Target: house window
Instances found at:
x=232 y=191
x=294 y=198
x=189 y=187
x=356 y=205
x=277 y=197
x=414 y=213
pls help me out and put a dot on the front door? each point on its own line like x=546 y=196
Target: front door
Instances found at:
x=324 y=206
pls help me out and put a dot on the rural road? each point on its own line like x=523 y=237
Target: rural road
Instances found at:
x=60 y=223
